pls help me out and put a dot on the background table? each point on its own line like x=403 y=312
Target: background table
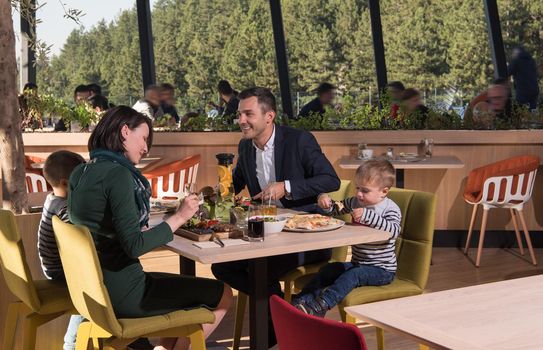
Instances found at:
x=144 y=163
x=257 y=252
x=501 y=315
x=435 y=162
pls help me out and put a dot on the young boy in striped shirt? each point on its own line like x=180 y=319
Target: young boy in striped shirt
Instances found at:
x=57 y=169
x=371 y=264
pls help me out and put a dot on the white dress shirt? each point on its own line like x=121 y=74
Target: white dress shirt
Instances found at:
x=265 y=165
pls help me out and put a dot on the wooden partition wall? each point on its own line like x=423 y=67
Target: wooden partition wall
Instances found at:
x=474 y=148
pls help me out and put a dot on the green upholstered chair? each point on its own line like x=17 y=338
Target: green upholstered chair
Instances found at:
x=302 y=274
x=91 y=299
x=39 y=301
x=413 y=250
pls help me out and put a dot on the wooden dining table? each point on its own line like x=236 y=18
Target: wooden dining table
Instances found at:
x=402 y=164
x=257 y=252
x=500 y=315
x=144 y=163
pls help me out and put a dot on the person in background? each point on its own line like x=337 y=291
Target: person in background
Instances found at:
x=99 y=103
x=483 y=96
x=228 y=107
x=395 y=90
x=57 y=169
x=110 y=196
x=167 y=101
x=30 y=115
x=414 y=109
x=94 y=89
x=371 y=264
x=524 y=71
x=326 y=93
x=149 y=106
x=81 y=94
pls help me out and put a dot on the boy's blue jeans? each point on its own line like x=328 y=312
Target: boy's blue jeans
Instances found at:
x=335 y=280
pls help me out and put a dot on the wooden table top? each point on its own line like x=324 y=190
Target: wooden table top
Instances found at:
x=277 y=244
x=435 y=162
x=501 y=315
x=144 y=163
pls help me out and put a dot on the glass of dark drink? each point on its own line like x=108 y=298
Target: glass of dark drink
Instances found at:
x=255 y=224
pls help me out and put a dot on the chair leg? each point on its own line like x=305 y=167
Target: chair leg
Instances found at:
x=380 y=337
x=481 y=237
x=238 y=321
x=470 y=231
x=423 y=347
x=289 y=286
x=11 y=324
x=517 y=232
x=30 y=327
x=350 y=319
x=83 y=335
x=527 y=236
x=95 y=343
x=197 y=340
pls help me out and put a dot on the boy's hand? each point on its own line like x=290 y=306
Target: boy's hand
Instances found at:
x=324 y=201
x=357 y=214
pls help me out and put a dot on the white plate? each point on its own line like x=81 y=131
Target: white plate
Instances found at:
x=339 y=223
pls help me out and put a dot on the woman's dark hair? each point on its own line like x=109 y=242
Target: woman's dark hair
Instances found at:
x=225 y=88
x=398 y=85
x=30 y=86
x=409 y=93
x=265 y=98
x=95 y=88
x=81 y=88
x=107 y=134
x=99 y=101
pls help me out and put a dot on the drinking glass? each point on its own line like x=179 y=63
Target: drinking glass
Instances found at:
x=269 y=208
x=361 y=148
x=428 y=145
x=255 y=225
x=238 y=217
x=191 y=188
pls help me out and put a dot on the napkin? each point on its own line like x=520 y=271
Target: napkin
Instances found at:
x=227 y=243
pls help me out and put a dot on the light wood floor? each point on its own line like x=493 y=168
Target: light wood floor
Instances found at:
x=450 y=269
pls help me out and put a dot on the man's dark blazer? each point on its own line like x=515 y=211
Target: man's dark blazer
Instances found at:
x=299 y=159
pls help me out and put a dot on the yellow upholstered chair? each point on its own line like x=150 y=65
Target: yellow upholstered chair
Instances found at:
x=91 y=299
x=39 y=301
x=302 y=274
x=413 y=251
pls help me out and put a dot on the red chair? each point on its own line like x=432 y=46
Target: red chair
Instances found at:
x=505 y=184
x=167 y=181
x=295 y=330
x=35 y=183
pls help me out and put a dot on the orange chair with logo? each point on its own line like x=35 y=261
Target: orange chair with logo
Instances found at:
x=505 y=184
x=167 y=181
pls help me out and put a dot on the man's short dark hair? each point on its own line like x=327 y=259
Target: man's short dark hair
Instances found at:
x=324 y=88
x=225 y=88
x=398 y=85
x=153 y=87
x=107 y=134
x=81 y=88
x=167 y=87
x=265 y=97
x=95 y=88
x=99 y=101
x=59 y=165
x=409 y=94
x=30 y=86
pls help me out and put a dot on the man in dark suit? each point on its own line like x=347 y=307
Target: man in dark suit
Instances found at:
x=281 y=164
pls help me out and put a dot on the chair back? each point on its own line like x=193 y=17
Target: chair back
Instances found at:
x=414 y=246
x=297 y=330
x=167 y=181
x=509 y=181
x=84 y=275
x=14 y=266
x=35 y=183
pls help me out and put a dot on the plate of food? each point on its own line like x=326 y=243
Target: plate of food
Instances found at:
x=407 y=155
x=164 y=206
x=204 y=229
x=312 y=223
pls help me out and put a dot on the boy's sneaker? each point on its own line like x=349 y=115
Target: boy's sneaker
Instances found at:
x=316 y=307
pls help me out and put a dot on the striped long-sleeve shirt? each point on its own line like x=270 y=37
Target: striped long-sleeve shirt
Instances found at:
x=385 y=216
x=47 y=245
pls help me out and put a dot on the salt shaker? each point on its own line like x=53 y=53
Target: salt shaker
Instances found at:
x=390 y=153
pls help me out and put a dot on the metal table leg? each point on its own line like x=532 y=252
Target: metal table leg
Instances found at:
x=187 y=266
x=400 y=178
x=258 y=308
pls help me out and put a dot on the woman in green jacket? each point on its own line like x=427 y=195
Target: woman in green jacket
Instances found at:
x=111 y=197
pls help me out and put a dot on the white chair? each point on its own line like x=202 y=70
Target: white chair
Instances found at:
x=35 y=183
x=167 y=181
x=511 y=188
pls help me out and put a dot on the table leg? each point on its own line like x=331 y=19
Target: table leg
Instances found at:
x=187 y=266
x=400 y=178
x=258 y=308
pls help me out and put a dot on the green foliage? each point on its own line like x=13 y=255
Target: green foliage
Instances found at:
x=53 y=106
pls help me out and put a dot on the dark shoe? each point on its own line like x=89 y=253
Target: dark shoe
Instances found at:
x=317 y=307
x=141 y=344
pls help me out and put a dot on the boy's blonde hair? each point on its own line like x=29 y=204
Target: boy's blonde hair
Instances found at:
x=379 y=171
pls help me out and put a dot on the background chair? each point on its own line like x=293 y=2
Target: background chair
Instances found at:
x=35 y=183
x=296 y=330
x=91 y=299
x=40 y=301
x=295 y=280
x=505 y=184
x=413 y=252
x=167 y=181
